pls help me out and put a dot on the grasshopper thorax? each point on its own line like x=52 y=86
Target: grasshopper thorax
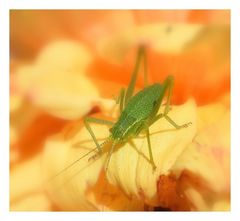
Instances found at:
x=137 y=113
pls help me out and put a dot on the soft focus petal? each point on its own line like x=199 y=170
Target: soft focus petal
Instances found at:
x=65 y=55
x=133 y=172
x=82 y=186
x=189 y=52
x=59 y=86
x=162 y=37
x=129 y=170
x=34 y=202
x=208 y=157
x=22 y=115
x=26 y=187
x=32 y=30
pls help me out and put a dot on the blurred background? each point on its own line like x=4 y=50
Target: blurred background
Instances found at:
x=191 y=44
x=62 y=62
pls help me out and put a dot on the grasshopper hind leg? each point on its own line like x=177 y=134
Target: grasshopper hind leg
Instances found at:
x=175 y=124
x=126 y=94
x=130 y=90
x=168 y=84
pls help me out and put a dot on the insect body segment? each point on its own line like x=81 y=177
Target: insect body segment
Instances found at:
x=137 y=112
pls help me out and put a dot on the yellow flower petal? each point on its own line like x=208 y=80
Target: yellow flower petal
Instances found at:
x=15 y=102
x=26 y=181
x=64 y=94
x=82 y=187
x=163 y=37
x=134 y=173
x=130 y=175
x=209 y=157
x=33 y=202
x=65 y=55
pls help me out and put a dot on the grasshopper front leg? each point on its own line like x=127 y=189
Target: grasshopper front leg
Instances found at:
x=150 y=149
x=86 y=122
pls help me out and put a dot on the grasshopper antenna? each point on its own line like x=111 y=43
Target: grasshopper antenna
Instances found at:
x=74 y=162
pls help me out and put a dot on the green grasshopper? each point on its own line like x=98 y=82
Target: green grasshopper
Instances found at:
x=137 y=113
